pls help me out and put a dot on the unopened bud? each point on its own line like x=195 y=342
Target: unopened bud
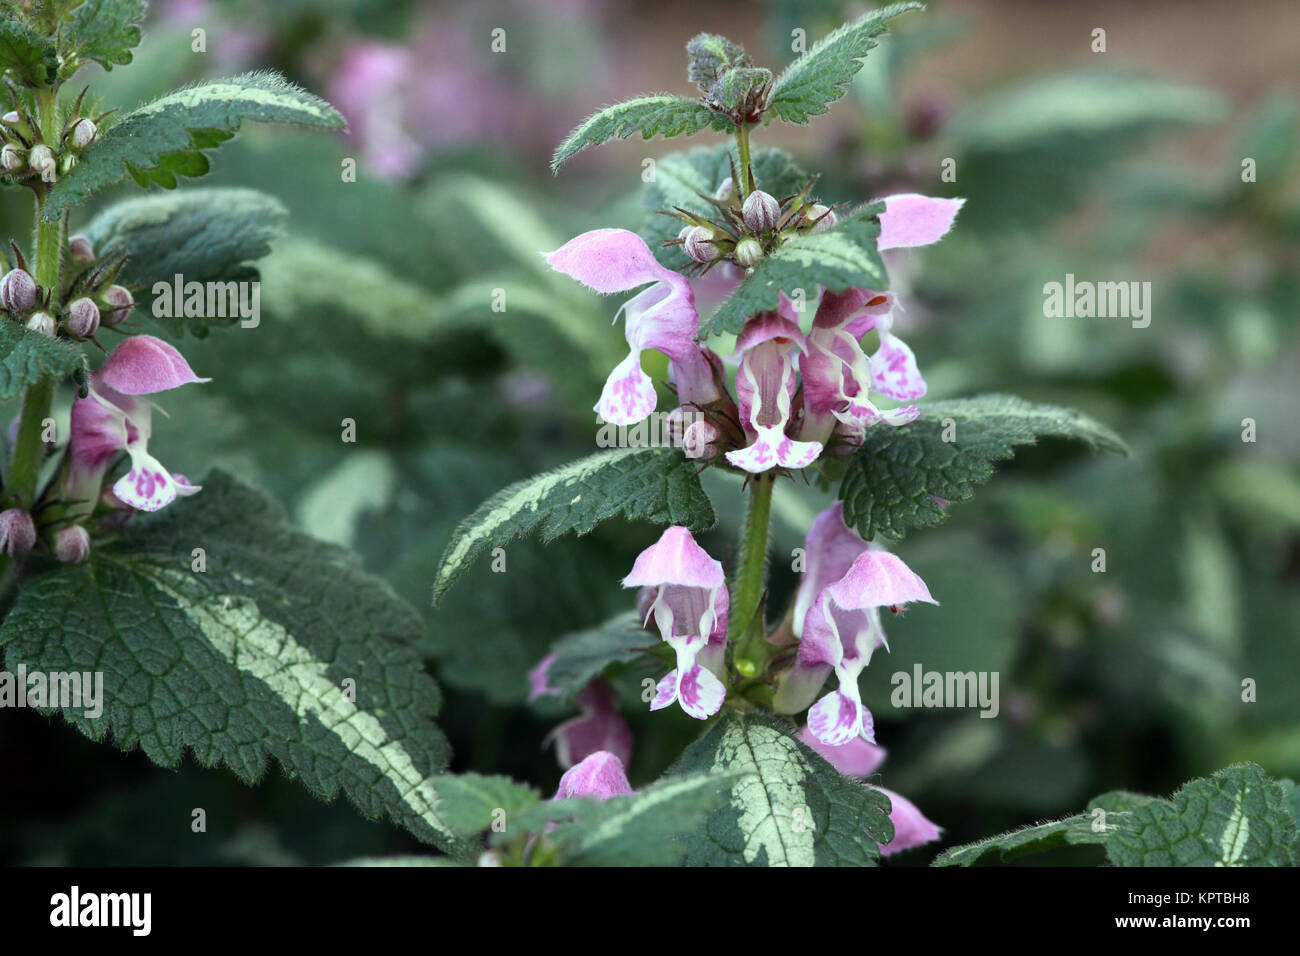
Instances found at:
x=83 y=318
x=822 y=217
x=80 y=249
x=698 y=244
x=698 y=440
x=42 y=162
x=118 y=304
x=12 y=157
x=17 y=532
x=724 y=190
x=11 y=117
x=83 y=134
x=761 y=211
x=749 y=252
x=71 y=545
x=18 y=290
x=41 y=322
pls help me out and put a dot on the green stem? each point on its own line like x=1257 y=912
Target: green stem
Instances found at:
x=29 y=449
x=748 y=579
x=742 y=146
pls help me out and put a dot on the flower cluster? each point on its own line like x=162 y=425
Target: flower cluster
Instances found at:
x=799 y=387
x=28 y=158
x=89 y=298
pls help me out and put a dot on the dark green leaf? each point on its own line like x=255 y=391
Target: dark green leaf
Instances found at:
x=26 y=357
x=102 y=31
x=28 y=54
x=661 y=114
x=583 y=655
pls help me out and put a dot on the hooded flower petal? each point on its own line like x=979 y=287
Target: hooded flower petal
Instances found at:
x=143 y=365
x=660 y=317
x=830 y=548
x=910 y=219
x=601 y=775
x=600 y=726
x=689 y=608
x=857 y=758
x=765 y=386
x=911 y=828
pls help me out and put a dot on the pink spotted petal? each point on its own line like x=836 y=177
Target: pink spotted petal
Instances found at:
x=665 y=691
x=837 y=718
x=629 y=394
x=910 y=219
x=893 y=370
x=911 y=828
x=148 y=486
x=772 y=447
x=700 y=693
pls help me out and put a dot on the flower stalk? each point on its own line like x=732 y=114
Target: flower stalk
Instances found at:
x=749 y=577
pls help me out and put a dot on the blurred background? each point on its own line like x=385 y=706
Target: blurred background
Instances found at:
x=1115 y=166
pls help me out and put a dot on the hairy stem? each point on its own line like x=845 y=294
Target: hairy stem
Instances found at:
x=750 y=572
x=742 y=146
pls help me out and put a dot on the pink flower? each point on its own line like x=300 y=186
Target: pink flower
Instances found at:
x=765 y=386
x=661 y=316
x=910 y=219
x=112 y=419
x=837 y=620
x=689 y=608
x=857 y=758
x=599 y=727
x=600 y=775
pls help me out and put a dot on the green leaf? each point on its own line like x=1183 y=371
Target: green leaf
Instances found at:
x=161 y=139
x=252 y=657
x=892 y=482
x=822 y=75
x=792 y=808
x=644 y=829
x=839 y=258
x=102 y=31
x=585 y=654
x=28 y=54
x=710 y=56
x=681 y=178
x=659 y=485
x=469 y=803
x=661 y=114
x=202 y=235
x=1071 y=831
x=1237 y=817
x=26 y=357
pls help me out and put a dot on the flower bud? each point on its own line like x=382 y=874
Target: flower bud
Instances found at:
x=11 y=117
x=698 y=440
x=724 y=190
x=41 y=322
x=761 y=211
x=83 y=133
x=17 y=532
x=80 y=249
x=821 y=215
x=698 y=244
x=118 y=304
x=749 y=252
x=18 y=290
x=71 y=545
x=83 y=318
x=41 y=161
x=11 y=157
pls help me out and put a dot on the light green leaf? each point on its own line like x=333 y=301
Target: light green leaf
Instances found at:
x=791 y=808
x=839 y=258
x=26 y=357
x=1237 y=817
x=892 y=482
x=661 y=114
x=202 y=235
x=822 y=75
x=28 y=54
x=470 y=803
x=681 y=178
x=282 y=647
x=1071 y=831
x=162 y=139
x=644 y=829
x=102 y=31
x=658 y=485
x=585 y=654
